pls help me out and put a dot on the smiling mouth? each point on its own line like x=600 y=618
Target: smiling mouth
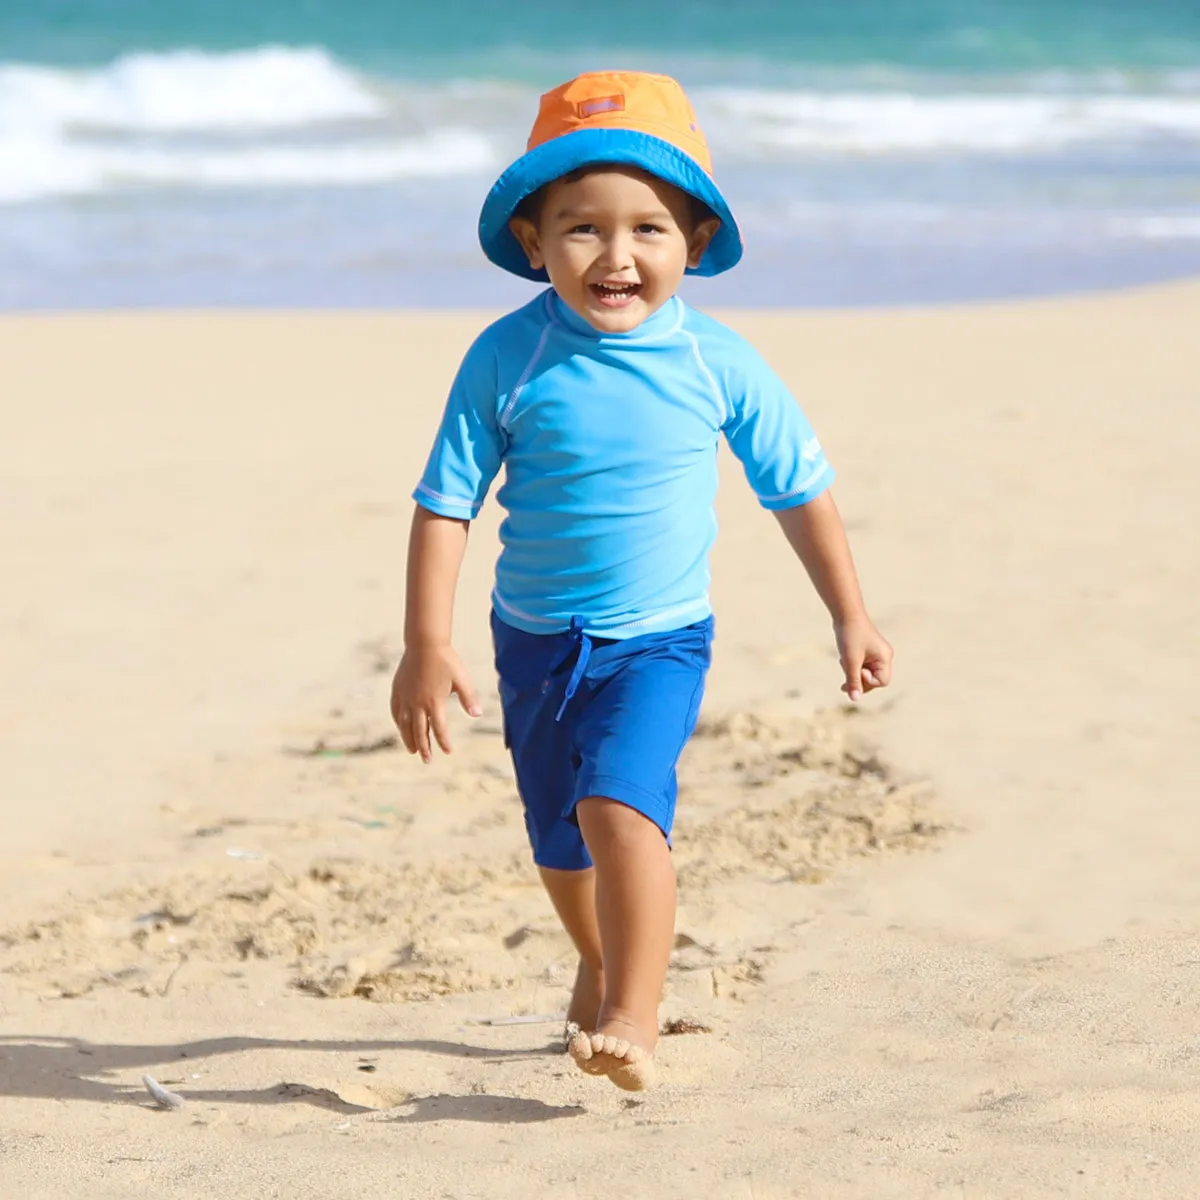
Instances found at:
x=615 y=295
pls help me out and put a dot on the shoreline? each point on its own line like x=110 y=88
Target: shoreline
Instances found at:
x=722 y=310
x=503 y=294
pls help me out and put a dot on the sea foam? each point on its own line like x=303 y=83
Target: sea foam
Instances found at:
x=271 y=117
x=898 y=123
x=283 y=117
x=187 y=91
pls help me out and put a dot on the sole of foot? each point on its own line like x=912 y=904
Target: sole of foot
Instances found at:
x=626 y=1065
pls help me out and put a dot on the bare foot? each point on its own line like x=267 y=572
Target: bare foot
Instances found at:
x=618 y=1051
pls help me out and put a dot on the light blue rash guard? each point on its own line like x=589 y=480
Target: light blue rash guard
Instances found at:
x=609 y=448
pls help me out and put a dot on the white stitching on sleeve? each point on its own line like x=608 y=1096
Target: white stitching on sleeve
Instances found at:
x=453 y=501
x=802 y=488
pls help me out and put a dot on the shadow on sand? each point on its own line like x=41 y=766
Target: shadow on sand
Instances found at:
x=66 y=1069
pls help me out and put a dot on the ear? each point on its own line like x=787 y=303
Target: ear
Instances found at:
x=704 y=233
x=526 y=232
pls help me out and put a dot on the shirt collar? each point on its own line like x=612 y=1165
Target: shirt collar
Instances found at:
x=663 y=321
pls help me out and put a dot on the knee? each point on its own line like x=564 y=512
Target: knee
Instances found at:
x=609 y=825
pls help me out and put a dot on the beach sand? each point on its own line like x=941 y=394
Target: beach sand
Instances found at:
x=941 y=946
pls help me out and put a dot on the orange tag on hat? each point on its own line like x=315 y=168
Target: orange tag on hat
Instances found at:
x=600 y=104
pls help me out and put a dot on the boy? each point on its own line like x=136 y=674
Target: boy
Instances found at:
x=605 y=399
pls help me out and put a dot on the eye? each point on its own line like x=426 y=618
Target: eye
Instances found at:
x=648 y=227
x=584 y=229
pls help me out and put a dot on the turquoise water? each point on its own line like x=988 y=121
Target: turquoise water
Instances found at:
x=514 y=41
x=317 y=153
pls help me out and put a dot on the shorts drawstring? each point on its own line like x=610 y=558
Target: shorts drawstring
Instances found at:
x=582 y=649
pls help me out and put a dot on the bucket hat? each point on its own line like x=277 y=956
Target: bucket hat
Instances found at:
x=628 y=117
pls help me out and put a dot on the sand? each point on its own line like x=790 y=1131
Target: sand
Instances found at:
x=940 y=946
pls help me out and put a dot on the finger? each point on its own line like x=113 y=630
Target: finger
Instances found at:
x=852 y=666
x=402 y=718
x=405 y=725
x=881 y=670
x=404 y=715
x=437 y=718
x=421 y=734
x=468 y=697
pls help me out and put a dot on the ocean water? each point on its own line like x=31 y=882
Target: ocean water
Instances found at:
x=312 y=153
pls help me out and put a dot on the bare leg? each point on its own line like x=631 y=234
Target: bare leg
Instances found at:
x=573 y=894
x=635 y=914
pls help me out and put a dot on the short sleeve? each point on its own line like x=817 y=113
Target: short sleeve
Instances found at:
x=771 y=436
x=469 y=447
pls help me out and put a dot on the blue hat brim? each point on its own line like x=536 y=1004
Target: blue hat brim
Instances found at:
x=561 y=155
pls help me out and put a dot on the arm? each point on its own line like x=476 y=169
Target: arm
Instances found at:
x=436 y=546
x=465 y=457
x=816 y=534
x=790 y=475
x=430 y=670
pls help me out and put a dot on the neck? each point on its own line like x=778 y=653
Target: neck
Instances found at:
x=660 y=321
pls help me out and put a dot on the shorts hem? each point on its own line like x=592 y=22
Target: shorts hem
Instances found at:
x=652 y=805
x=578 y=862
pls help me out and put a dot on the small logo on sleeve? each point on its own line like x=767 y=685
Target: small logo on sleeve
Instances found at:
x=811 y=450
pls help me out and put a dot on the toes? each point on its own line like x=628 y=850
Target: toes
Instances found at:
x=579 y=1045
x=570 y=1032
x=593 y=1060
x=627 y=1065
x=611 y=1045
x=582 y=1049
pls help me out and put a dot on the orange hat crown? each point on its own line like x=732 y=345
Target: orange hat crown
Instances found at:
x=634 y=100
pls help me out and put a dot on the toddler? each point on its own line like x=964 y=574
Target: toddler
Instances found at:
x=604 y=399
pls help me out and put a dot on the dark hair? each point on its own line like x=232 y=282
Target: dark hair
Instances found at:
x=530 y=207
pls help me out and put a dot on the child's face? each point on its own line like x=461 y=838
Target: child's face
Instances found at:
x=615 y=243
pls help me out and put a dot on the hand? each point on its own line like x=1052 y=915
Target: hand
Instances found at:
x=425 y=677
x=865 y=655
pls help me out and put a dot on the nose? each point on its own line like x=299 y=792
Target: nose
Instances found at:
x=618 y=251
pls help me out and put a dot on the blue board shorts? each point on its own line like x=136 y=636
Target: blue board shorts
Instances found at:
x=590 y=716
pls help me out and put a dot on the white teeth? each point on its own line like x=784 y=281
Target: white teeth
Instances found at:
x=613 y=289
